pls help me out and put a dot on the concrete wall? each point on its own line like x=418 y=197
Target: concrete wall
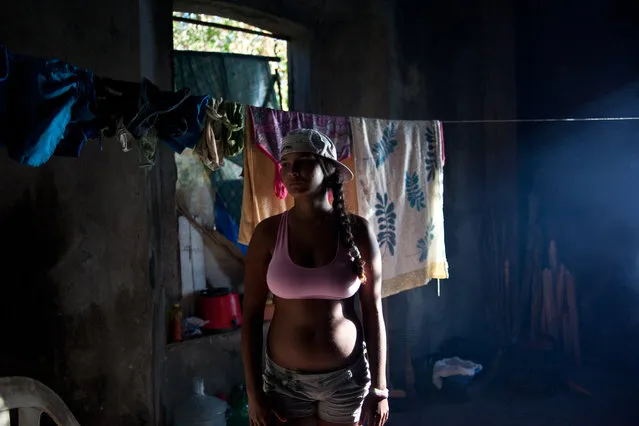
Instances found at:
x=77 y=285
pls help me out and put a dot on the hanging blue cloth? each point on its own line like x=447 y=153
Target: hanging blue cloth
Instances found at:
x=226 y=225
x=182 y=127
x=228 y=185
x=176 y=117
x=46 y=108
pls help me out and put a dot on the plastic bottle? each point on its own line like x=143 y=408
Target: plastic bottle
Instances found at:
x=176 y=323
x=200 y=409
x=239 y=408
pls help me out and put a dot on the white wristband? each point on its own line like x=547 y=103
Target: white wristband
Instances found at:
x=380 y=393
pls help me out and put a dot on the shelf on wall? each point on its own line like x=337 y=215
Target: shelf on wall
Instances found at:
x=222 y=339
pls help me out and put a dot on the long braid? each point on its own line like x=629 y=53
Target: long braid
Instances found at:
x=339 y=209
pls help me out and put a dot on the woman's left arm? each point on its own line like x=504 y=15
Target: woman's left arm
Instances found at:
x=371 y=302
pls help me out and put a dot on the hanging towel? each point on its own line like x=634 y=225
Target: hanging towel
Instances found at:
x=400 y=188
x=271 y=126
x=258 y=177
x=259 y=201
x=208 y=149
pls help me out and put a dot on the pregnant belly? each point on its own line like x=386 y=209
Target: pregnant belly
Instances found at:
x=311 y=347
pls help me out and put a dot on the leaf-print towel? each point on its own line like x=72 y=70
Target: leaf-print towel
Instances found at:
x=400 y=188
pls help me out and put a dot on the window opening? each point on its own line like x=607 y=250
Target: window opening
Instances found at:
x=208 y=33
x=250 y=66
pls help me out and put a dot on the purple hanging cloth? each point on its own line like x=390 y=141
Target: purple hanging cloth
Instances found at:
x=270 y=126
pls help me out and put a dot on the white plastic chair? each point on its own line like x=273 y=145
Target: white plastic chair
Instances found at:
x=31 y=398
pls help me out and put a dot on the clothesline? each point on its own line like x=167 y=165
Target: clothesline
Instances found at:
x=540 y=120
x=95 y=107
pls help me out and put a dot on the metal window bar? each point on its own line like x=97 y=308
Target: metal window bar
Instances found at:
x=240 y=55
x=228 y=27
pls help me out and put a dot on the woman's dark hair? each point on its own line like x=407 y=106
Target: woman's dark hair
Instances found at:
x=334 y=183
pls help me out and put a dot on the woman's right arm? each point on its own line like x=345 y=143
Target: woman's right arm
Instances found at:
x=255 y=294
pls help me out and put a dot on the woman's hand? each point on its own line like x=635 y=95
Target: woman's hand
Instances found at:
x=374 y=411
x=260 y=411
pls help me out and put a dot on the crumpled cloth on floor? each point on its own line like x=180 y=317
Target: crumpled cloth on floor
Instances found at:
x=399 y=170
x=46 y=108
x=270 y=126
x=455 y=366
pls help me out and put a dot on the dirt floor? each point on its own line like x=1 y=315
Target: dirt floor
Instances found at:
x=615 y=402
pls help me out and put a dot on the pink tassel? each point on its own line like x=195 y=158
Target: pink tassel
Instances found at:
x=278 y=185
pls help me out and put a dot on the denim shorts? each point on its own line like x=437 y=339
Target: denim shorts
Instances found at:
x=335 y=397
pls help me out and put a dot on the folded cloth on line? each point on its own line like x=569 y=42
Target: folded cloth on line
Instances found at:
x=270 y=126
x=230 y=116
x=46 y=108
x=259 y=201
x=400 y=188
x=223 y=134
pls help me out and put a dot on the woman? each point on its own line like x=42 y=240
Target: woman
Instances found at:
x=314 y=258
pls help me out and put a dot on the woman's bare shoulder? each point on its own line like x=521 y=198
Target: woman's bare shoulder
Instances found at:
x=266 y=231
x=360 y=224
x=362 y=230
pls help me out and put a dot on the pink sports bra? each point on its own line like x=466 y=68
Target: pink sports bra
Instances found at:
x=285 y=279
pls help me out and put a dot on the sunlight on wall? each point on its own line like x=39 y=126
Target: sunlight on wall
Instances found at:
x=5 y=417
